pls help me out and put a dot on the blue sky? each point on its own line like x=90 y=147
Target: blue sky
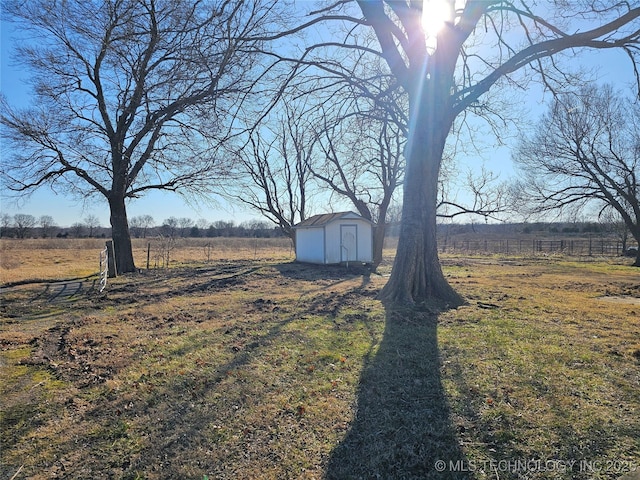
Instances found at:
x=612 y=67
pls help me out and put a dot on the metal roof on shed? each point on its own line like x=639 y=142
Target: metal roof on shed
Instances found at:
x=325 y=218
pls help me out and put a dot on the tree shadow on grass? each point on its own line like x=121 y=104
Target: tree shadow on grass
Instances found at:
x=402 y=427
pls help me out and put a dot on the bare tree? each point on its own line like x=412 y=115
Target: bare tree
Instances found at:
x=203 y=223
x=614 y=223
x=361 y=135
x=184 y=224
x=170 y=227
x=446 y=74
x=586 y=151
x=135 y=226
x=6 y=222
x=273 y=169
x=77 y=229
x=140 y=224
x=166 y=241
x=46 y=225
x=361 y=159
x=132 y=96
x=92 y=222
x=23 y=223
x=147 y=222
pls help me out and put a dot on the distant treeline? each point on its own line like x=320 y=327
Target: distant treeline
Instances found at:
x=216 y=229
x=28 y=226
x=538 y=228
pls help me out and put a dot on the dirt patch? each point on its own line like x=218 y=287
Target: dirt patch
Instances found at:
x=620 y=299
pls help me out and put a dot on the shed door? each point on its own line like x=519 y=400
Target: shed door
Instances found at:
x=348 y=243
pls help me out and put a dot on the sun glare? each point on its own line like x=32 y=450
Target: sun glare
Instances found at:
x=434 y=15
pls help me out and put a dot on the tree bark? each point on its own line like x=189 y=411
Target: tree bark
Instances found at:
x=379 y=231
x=417 y=275
x=121 y=236
x=636 y=235
x=291 y=233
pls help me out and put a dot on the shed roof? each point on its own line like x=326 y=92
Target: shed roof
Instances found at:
x=326 y=218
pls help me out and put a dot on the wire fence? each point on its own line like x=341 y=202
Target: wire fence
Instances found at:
x=523 y=246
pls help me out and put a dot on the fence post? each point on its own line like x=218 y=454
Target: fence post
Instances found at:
x=111 y=259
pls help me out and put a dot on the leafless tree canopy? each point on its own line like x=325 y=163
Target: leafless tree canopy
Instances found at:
x=585 y=152
x=135 y=86
x=23 y=224
x=445 y=76
x=272 y=173
x=131 y=96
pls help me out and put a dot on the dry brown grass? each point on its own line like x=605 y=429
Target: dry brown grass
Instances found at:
x=60 y=258
x=234 y=370
x=262 y=368
x=48 y=259
x=547 y=368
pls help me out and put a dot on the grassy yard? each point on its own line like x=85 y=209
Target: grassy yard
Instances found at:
x=250 y=366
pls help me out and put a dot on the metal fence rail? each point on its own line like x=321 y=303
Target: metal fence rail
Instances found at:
x=104 y=269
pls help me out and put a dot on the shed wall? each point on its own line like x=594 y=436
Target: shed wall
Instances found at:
x=310 y=245
x=332 y=247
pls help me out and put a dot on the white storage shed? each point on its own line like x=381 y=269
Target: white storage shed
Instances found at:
x=334 y=238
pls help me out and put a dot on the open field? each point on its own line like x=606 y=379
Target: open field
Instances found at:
x=56 y=258
x=245 y=365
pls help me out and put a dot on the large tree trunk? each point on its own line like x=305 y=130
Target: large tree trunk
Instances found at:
x=636 y=235
x=417 y=275
x=379 y=231
x=121 y=236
